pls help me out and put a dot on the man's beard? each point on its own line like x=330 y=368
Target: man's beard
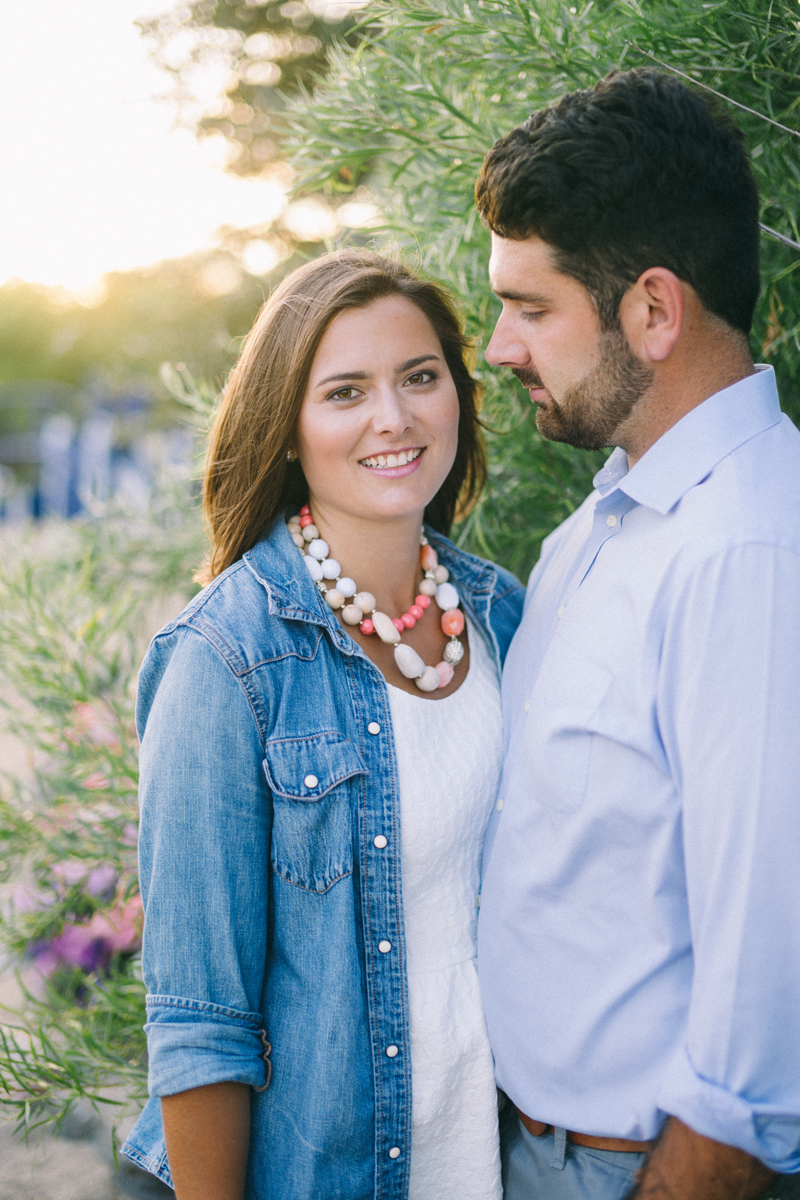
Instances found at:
x=589 y=414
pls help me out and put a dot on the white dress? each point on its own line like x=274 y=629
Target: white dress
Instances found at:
x=449 y=755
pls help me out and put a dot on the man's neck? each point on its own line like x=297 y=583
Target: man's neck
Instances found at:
x=700 y=368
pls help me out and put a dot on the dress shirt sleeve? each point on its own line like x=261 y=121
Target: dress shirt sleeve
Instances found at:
x=204 y=848
x=729 y=712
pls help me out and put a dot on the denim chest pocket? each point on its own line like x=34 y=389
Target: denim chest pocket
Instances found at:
x=311 y=779
x=564 y=721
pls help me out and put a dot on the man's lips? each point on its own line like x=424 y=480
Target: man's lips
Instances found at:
x=533 y=385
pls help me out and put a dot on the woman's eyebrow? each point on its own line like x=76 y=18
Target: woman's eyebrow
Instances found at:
x=404 y=366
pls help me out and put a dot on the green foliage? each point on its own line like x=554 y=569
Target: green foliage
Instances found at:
x=413 y=108
x=78 y=602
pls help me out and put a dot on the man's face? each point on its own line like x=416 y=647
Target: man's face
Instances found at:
x=584 y=380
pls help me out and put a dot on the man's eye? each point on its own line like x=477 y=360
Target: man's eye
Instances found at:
x=532 y=316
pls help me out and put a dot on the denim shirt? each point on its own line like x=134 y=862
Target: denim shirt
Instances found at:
x=270 y=872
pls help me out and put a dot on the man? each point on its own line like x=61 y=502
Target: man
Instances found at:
x=639 y=945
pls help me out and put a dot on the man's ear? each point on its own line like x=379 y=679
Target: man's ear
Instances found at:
x=652 y=314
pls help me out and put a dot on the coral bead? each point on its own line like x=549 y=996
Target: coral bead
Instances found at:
x=416 y=611
x=408 y=620
x=367 y=627
x=306 y=519
x=453 y=622
x=305 y=511
x=422 y=601
x=446 y=673
x=398 y=624
x=429 y=558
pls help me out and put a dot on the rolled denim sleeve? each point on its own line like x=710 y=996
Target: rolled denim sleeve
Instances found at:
x=203 y=857
x=734 y=740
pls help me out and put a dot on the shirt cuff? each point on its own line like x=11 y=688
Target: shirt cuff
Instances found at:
x=191 y=1043
x=768 y=1131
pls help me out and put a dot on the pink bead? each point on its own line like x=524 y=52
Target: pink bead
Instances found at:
x=408 y=620
x=398 y=624
x=428 y=558
x=306 y=519
x=423 y=601
x=367 y=626
x=417 y=611
x=445 y=673
x=452 y=622
x=305 y=511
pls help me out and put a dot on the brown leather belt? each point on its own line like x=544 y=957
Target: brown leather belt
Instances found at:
x=537 y=1128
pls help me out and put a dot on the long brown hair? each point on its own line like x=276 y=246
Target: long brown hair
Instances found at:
x=248 y=479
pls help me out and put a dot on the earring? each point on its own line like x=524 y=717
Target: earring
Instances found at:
x=290 y=456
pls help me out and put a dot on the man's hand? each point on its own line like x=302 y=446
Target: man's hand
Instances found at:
x=687 y=1166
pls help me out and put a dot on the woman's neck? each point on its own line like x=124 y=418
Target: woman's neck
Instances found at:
x=381 y=556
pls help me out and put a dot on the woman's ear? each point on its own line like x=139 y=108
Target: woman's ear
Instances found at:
x=652 y=314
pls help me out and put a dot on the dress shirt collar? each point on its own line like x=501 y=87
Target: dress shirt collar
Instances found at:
x=691 y=449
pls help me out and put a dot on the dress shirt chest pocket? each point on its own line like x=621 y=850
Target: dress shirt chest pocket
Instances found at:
x=561 y=729
x=311 y=781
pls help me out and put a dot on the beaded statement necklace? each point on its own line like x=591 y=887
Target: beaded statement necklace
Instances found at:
x=361 y=608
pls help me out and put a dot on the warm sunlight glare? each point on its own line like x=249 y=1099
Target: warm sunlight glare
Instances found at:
x=95 y=177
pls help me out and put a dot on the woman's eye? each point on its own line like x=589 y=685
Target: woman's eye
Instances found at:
x=343 y=393
x=419 y=377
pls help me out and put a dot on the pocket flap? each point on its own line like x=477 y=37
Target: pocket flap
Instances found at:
x=306 y=768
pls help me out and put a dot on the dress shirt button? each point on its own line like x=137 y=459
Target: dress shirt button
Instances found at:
x=526 y=705
x=392 y=1051
x=611 y=520
x=561 y=611
x=380 y=841
x=311 y=781
x=384 y=947
x=394 y=1152
x=500 y=804
x=373 y=727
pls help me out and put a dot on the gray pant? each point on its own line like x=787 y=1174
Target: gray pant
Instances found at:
x=551 y=1168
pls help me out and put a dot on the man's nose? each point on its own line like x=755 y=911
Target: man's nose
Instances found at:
x=505 y=349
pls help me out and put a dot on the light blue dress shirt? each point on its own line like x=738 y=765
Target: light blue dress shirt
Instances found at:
x=639 y=937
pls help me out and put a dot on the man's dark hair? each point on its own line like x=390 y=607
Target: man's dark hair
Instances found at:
x=636 y=172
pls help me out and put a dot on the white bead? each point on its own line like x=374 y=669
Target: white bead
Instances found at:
x=428 y=587
x=352 y=614
x=310 y=532
x=441 y=574
x=385 y=628
x=347 y=586
x=365 y=601
x=335 y=598
x=318 y=549
x=294 y=527
x=314 y=568
x=446 y=596
x=297 y=538
x=331 y=569
x=409 y=662
x=429 y=680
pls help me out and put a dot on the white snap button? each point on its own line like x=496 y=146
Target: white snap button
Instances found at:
x=394 y=1152
x=310 y=781
x=373 y=727
x=611 y=520
x=384 y=947
x=380 y=841
x=392 y=1051
x=500 y=804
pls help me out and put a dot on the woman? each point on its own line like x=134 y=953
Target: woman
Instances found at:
x=314 y=1025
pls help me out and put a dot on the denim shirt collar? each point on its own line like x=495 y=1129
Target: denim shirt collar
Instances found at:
x=690 y=450
x=294 y=596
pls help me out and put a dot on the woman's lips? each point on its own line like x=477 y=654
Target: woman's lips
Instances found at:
x=396 y=472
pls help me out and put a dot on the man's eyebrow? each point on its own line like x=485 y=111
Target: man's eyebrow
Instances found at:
x=403 y=366
x=524 y=297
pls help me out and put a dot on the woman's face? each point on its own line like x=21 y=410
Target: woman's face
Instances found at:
x=378 y=427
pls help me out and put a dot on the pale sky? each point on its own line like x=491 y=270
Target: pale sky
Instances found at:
x=93 y=175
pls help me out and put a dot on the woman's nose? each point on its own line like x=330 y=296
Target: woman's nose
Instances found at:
x=391 y=413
